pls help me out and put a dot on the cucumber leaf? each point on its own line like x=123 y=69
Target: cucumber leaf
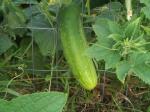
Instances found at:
x=37 y=102
x=5 y=43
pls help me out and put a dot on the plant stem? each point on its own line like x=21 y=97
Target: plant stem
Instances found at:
x=128 y=4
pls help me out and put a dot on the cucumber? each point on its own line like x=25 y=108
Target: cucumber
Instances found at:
x=74 y=45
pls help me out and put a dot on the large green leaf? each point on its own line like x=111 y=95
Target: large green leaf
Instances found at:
x=138 y=63
x=43 y=34
x=104 y=27
x=5 y=43
x=141 y=66
x=102 y=50
x=37 y=102
x=46 y=40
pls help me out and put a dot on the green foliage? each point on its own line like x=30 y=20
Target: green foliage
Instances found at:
x=28 y=63
x=46 y=40
x=37 y=102
x=60 y=2
x=111 y=11
x=146 y=29
x=122 y=48
x=146 y=9
x=138 y=63
x=40 y=20
x=5 y=43
x=13 y=16
x=25 y=1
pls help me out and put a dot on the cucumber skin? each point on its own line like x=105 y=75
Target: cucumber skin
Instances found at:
x=74 y=45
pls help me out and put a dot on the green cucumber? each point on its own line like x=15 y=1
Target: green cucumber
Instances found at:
x=74 y=45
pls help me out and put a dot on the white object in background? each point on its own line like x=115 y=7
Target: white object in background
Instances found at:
x=129 y=9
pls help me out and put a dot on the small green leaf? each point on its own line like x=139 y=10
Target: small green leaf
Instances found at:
x=146 y=2
x=131 y=30
x=146 y=29
x=146 y=11
x=122 y=70
x=116 y=37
